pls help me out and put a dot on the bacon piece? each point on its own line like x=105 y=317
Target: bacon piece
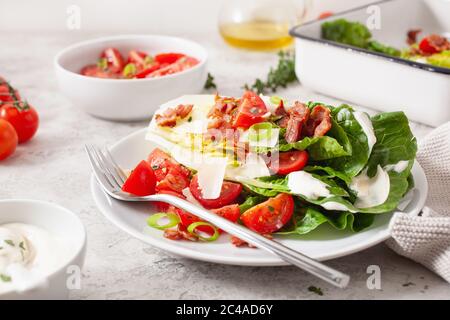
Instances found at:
x=282 y=123
x=223 y=105
x=439 y=43
x=179 y=234
x=183 y=110
x=319 y=122
x=280 y=110
x=170 y=116
x=241 y=243
x=412 y=36
x=298 y=116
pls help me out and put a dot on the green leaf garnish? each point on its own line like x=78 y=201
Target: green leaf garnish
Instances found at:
x=22 y=245
x=10 y=242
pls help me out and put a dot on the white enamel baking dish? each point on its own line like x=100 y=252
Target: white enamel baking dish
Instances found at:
x=375 y=80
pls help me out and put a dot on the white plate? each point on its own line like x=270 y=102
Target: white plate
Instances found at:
x=322 y=244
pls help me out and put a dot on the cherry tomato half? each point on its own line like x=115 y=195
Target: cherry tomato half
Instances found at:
x=23 y=118
x=269 y=216
x=170 y=175
x=166 y=207
x=230 y=191
x=426 y=46
x=8 y=139
x=142 y=180
x=250 y=111
x=230 y=212
x=168 y=57
x=137 y=57
x=289 y=161
x=115 y=59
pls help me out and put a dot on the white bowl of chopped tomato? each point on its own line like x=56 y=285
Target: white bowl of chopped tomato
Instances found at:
x=126 y=78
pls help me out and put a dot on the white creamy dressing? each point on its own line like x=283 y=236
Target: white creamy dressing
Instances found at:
x=399 y=167
x=371 y=191
x=336 y=206
x=304 y=183
x=28 y=254
x=366 y=124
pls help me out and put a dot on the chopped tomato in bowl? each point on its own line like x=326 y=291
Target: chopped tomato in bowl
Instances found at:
x=111 y=64
x=132 y=85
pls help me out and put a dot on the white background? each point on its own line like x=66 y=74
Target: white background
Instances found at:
x=156 y=16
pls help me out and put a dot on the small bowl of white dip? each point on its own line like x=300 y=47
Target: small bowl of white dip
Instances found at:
x=42 y=250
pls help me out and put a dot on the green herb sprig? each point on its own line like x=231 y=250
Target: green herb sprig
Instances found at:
x=315 y=290
x=280 y=76
x=210 y=84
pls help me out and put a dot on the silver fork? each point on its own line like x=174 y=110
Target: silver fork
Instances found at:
x=111 y=178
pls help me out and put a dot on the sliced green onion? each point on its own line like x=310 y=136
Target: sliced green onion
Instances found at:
x=130 y=70
x=102 y=63
x=260 y=131
x=193 y=226
x=276 y=100
x=153 y=220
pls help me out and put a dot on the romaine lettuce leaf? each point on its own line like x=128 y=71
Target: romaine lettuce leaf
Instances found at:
x=395 y=141
x=308 y=218
x=353 y=164
x=319 y=148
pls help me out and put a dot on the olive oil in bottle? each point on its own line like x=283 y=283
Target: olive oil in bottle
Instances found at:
x=257 y=35
x=260 y=24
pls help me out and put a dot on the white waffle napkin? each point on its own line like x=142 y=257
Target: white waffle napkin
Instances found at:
x=426 y=238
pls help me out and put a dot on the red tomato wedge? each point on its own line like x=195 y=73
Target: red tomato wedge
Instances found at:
x=166 y=207
x=250 y=111
x=168 y=57
x=162 y=163
x=137 y=57
x=175 y=180
x=144 y=73
x=230 y=212
x=271 y=215
x=289 y=161
x=230 y=191
x=142 y=180
x=95 y=71
x=170 y=175
x=426 y=46
x=115 y=59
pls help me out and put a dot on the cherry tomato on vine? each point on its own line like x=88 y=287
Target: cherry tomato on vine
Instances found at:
x=22 y=117
x=8 y=139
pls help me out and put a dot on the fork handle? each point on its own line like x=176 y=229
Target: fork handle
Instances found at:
x=302 y=261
